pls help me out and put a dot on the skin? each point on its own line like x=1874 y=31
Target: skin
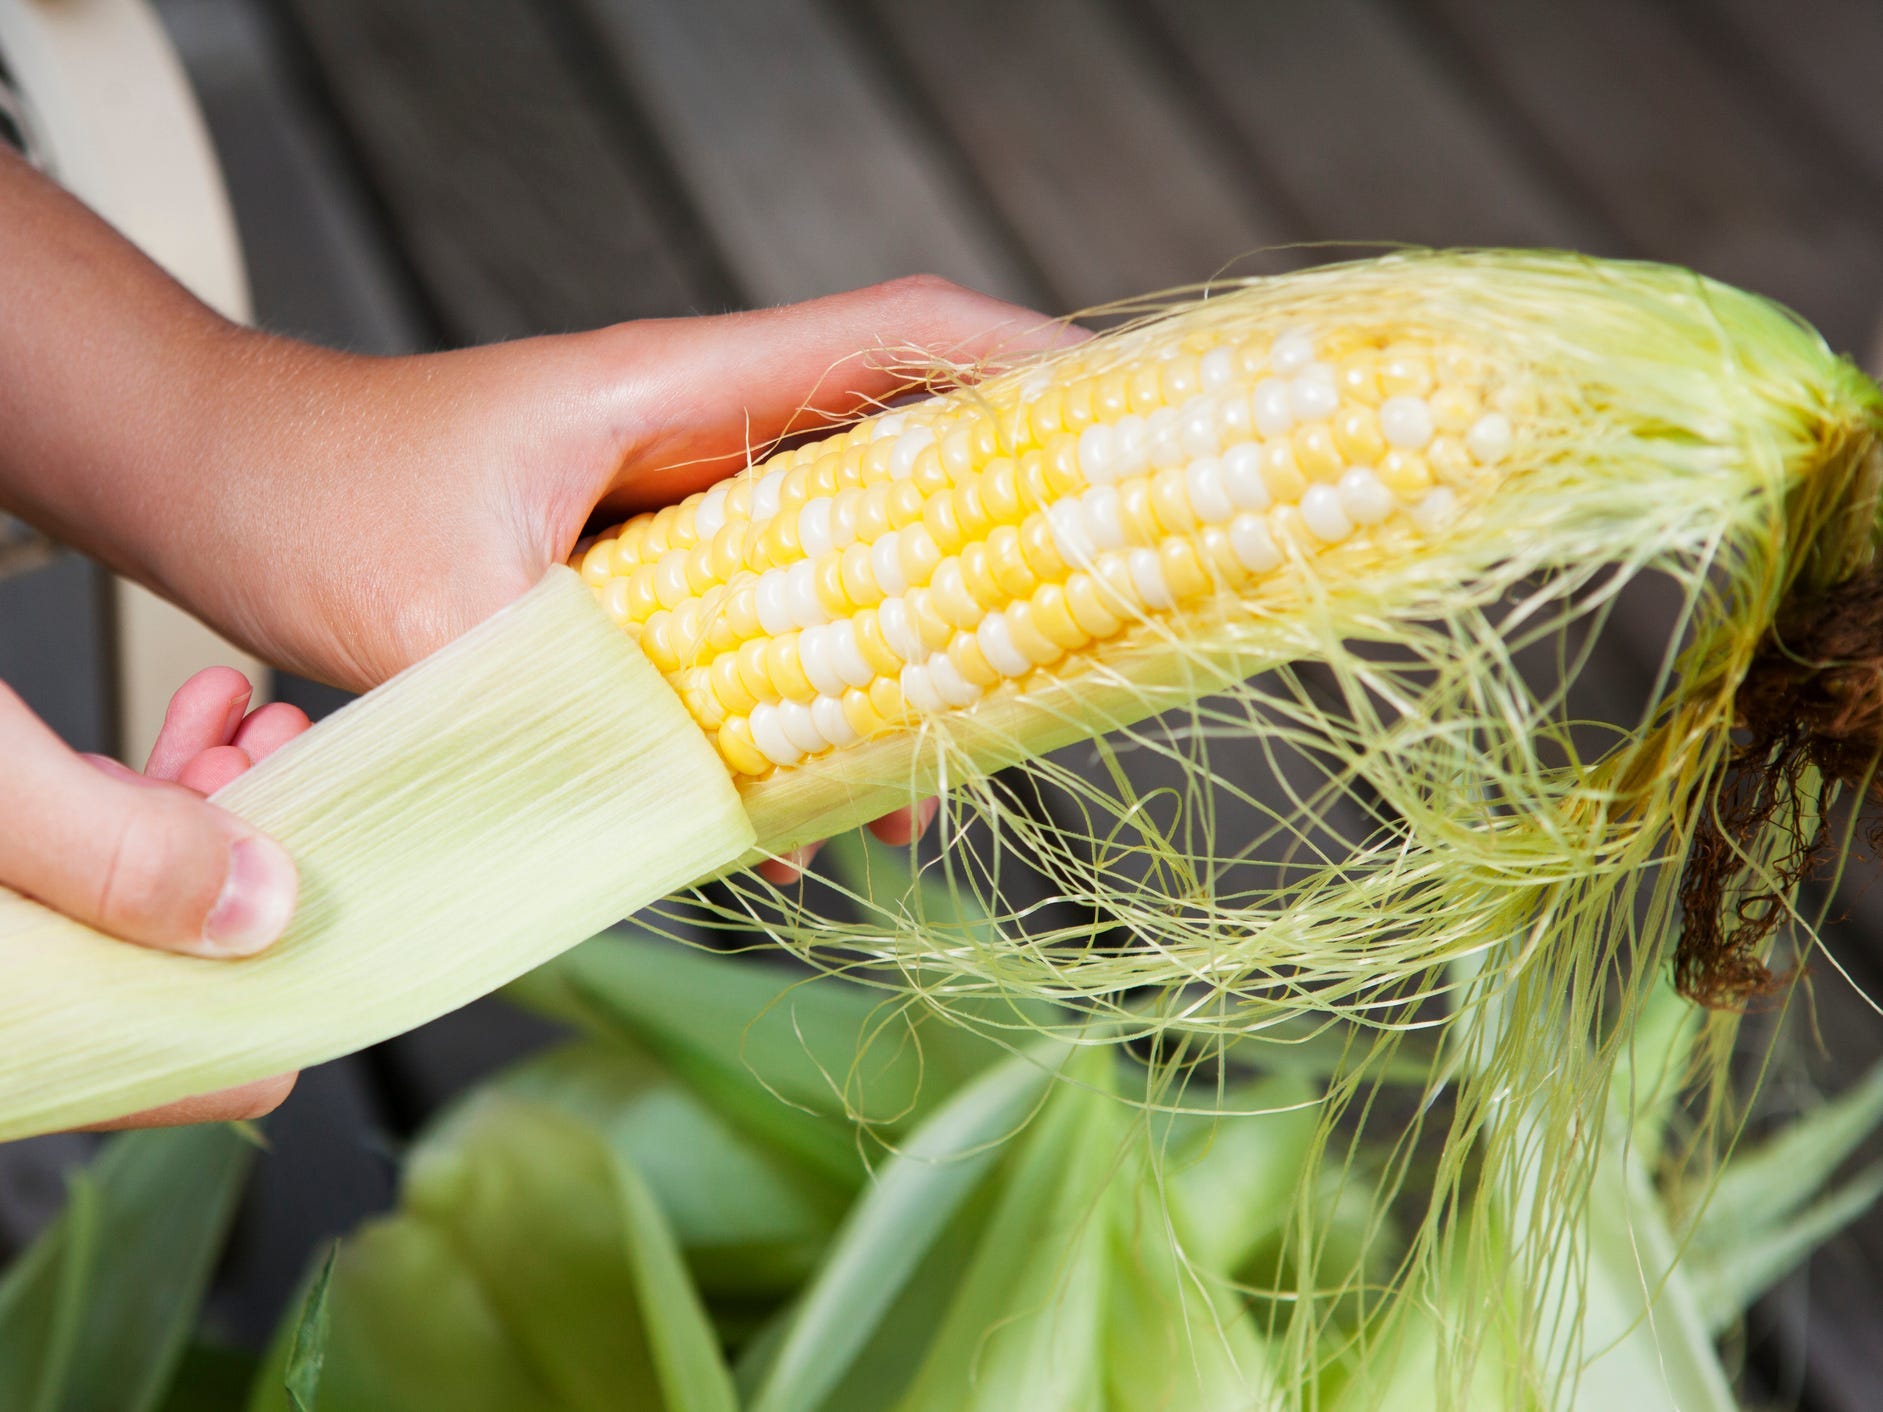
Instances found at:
x=342 y=516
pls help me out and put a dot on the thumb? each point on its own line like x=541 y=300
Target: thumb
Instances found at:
x=146 y=861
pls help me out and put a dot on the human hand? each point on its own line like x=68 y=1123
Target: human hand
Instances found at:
x=146 y=857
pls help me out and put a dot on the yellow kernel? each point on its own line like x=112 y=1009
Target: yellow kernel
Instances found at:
x=1357 y=380
x=1053 y=616
x=846 y=507
x=703 y=704
x=614 y=598
x=1118 y=589
x=1087 y=603
x=1182 y=380
x=957 y=453
x=739 y=501
x=1134 y=509
x=696 y=568
x=977 y=575
x=739 y=750
x=643 y=602
x=827 y=576
x=1078 y=413
x=623 y=555
x=873 y=644
x=1147 y=388
x=1183 y=568
x=951 y=597
x=859 y=579
x=873 y=518
x=1280 y=474
x=1034 y=481
x=1033 y=644
x=987 y=439
x=688 y=633
x=1062 y=462
x=861 y=715
x=1039 y=551
x=930 y=625
x=1111 y=398
x=1454 y=408
x=1006 y=564
x=1000 y=492
x=785 y=668
x=793 y=491
x=971 y=512
x=726 y=553
x=778 y=541
x=1316 y=456
x=1405 y=374
x=595 y=571
x=876 y=460
x=684 y=533
x=918 y=553
x=1046 y=414
x=1448 y=458
x=1170 y=502
x=742 y=608
x=826 y=475
x=659 y=533
x=965 y=652
x=886 y=700
x=1456 y=364
x=929 y=474
x=1219 y=553
x=1357 y=436
x=943 y=523
x=905 y=503
x=1405 y=473
x=1252 y=357
x=754 y=675
x=657 y=642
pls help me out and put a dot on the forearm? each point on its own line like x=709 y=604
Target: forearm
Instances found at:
x=110 y=377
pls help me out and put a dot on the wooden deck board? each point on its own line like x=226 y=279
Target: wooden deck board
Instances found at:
x=810 y=172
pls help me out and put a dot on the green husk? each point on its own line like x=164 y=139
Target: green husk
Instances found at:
x=500 y=801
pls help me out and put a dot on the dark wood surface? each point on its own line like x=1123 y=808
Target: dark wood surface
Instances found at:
x=416 y=173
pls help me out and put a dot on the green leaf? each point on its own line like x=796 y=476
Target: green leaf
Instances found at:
x=747 y=1035
x=1234 y=1179
x=210 y=1378
x=97 y=1312
x=1761 y=1187
x=528 y=1267
x=1729 y=1278
x=309 y=1349
x=915 y=1195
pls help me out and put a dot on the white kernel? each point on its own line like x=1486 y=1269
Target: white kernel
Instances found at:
x=1147 y=576
x=909 y=445
x=814 y=652
x=1036 y=386
x=800 y=727
x=801 y=591
x=1312 y=398
x=950 y=685
x=814 y=527
x=899 y=630
x=773 y=599
x=765 y=495
x=1217 y=369
x=1131 y=447
x=1364 y=496
x=832 y=724
x=1097 y=457
x=768 y=734
x=1235 y=418
x=886 y=564
x=888 y=426
x=1163 y=434
x=1242 y=477
x=1070 y=536
x=1252 y=544
x=710 y=517
x=1321 y=512
x=1489 y=437
x=1104 y=523
x=846 y=655
x=1273 y=407
x=1197 y=431
x=1406 y=422
x=1435 y=511
x=1203 y=482
x=919 y=691
x=1292 y=352
x=997 y=645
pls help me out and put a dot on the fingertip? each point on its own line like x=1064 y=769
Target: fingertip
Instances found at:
x=270 y=727
x=214 y=768
x=901 y=827
x=789 y=867
x=205 y=711
x=229 y=1105
x=256 y=902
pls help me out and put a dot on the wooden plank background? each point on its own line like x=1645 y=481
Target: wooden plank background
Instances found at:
x=421 y=173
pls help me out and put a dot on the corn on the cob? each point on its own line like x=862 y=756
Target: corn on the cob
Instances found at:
x=920 y=560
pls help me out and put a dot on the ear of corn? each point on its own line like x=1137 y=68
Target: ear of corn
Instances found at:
x=495 y=804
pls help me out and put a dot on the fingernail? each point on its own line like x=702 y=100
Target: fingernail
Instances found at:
x=257 y=899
